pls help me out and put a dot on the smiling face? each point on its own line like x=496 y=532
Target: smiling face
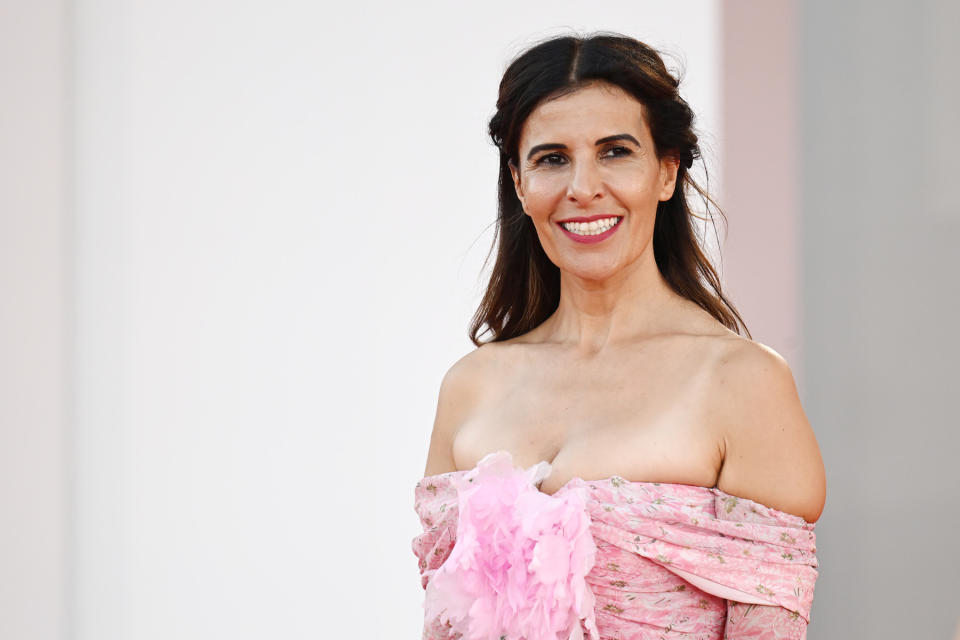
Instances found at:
x=589 y=154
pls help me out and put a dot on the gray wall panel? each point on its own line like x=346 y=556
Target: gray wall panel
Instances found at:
x=880 y=223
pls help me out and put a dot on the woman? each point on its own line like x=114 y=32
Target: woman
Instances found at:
x=616 y=385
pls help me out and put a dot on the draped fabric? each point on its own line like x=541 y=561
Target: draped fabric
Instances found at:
x=689 y=561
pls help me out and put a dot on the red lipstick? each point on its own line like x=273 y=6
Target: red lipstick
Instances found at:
x=600 y=237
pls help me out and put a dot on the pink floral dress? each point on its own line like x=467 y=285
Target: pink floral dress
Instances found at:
x=606 y=559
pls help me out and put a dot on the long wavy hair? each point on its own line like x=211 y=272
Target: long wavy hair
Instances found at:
x=524 y=286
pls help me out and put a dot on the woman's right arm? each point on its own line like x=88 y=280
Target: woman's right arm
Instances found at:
x=436 y=502
x=458 y=391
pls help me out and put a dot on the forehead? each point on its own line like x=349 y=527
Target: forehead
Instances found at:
x=592 y=112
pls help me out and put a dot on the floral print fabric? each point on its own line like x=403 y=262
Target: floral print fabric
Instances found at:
x=672 y=560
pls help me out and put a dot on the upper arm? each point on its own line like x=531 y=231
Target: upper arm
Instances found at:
x=457 y=394
x=771 y=454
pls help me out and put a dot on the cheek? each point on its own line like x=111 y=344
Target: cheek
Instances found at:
x=634 y=185
x=543 y=190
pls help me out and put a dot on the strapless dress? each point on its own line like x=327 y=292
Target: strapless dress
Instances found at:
x=606 y=559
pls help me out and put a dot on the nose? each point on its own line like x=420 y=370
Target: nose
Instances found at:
x=585 y=183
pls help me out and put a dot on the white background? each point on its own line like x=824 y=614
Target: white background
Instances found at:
x=281 y=213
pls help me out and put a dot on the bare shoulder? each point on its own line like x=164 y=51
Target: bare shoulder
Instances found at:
x=771 y=453
x=459 y=391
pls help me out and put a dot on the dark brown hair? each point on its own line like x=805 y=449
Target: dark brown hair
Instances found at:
x=524 y=287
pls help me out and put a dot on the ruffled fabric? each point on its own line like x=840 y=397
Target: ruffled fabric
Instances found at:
x=518 y=568
x=672 y=560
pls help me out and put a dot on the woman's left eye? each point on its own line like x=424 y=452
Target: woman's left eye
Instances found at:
x=622 y=151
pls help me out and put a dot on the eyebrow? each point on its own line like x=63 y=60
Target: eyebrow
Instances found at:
x=557 y=145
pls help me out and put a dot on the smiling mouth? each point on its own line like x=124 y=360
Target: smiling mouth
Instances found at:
x=594 y=228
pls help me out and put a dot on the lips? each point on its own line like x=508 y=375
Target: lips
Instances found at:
x=592 y=239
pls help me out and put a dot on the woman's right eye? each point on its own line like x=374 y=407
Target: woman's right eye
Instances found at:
x=543 y=159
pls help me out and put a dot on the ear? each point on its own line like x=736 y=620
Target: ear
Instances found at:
x=515 y=173
x=668 y=177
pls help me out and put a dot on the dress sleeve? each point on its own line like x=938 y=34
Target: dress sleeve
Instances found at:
x=750 y=621
x=762 y=622
x=436 y=505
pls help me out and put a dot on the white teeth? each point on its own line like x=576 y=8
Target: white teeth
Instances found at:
x=590 y=228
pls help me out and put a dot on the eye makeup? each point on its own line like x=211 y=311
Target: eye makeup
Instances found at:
x=623 y=152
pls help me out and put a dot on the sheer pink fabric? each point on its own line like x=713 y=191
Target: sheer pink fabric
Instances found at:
x=670 y=560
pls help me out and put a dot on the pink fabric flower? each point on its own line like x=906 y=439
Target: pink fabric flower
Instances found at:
x=518 y=567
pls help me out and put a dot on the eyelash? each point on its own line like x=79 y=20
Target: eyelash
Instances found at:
x=542 y=159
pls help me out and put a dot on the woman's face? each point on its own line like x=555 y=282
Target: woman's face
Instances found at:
x=589 y=154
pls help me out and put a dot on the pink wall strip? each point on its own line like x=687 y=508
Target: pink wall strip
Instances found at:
x=758 y=166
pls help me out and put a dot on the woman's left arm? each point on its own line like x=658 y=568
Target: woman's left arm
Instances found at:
x=770 y=452
x=771 y=456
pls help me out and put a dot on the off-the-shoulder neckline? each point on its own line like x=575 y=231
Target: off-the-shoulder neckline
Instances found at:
x=577 y=479
x=604 y=480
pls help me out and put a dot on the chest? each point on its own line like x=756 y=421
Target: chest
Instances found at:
x=643 y=415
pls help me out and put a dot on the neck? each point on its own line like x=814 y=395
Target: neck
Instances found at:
x=634 y=303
